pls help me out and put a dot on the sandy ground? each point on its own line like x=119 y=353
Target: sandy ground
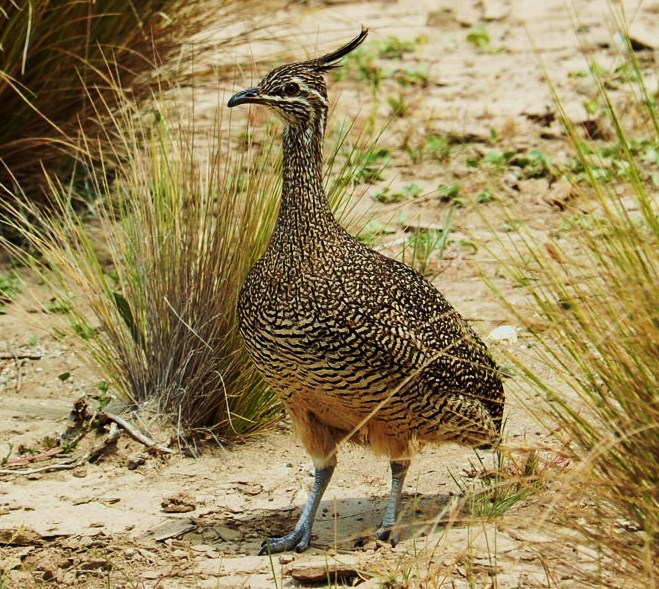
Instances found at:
x=135 y=519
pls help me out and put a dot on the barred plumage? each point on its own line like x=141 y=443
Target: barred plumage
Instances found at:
x=357 y=345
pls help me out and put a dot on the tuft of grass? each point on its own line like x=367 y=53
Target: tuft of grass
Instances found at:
x=427 y=243
x=181 y=227
x=492 y=492
x=53 y=51
x=592 y=320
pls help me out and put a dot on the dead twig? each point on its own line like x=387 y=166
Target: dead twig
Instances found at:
x=134 y=432
x=32 y=457
x=92 y=454
x=20 y=356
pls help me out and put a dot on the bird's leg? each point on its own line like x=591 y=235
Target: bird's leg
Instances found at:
x=387 y=530
x=300 y=537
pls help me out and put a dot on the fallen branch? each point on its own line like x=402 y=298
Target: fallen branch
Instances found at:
x=134 y=432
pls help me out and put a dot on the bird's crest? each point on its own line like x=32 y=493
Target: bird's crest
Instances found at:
x=329 y=61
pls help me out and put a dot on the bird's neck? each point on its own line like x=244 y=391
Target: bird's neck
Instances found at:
x=304 y=209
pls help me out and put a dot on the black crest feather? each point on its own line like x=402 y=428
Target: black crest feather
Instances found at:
x=329 y=61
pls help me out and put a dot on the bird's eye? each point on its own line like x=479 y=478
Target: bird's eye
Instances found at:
x=291 y=89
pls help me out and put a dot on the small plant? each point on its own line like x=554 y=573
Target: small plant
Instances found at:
x=368 y=165
x=60 y=305
x=407 y=192
x=399 y=105
x=484 y=195
x=438 y=146
x=530 y=164
x=361 y=64
x=426 y=243
x=423 y=244
x=10 y=287
x=451 y=193
x=479 y=36
x=417 y=75
x=7 y=456
x=392 y=47
x=83 y=329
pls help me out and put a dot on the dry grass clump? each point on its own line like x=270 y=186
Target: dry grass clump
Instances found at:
x=51 y=53
x=593 y=320
x=181 y=228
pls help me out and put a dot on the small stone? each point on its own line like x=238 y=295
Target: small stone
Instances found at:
x=93 y=565
x=180 y=503
x=86 y=542
x=65 y=563
x=322 y=570
x=20 y=537
x=504 y=333
x=80 y=472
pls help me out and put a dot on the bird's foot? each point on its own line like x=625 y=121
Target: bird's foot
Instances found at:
x=384 y=533
x=298 y=540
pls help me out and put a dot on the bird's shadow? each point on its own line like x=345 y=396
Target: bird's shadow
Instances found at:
x=340 y=524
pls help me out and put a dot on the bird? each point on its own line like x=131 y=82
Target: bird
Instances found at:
x=358 y=346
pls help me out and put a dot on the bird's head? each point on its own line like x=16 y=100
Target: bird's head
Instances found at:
x=297 y=92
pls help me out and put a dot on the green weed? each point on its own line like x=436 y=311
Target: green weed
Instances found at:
x=10 y=287
x=451 y=193
x=373 y=230
x=389 y=196
x=368 y=165
x=479 y=36
x=425 y=244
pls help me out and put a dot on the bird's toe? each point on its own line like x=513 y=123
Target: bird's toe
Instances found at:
x=297 y=540
x=390 y=533
x=383 y=533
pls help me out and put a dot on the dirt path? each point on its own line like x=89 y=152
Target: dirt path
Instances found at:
x=110 y=524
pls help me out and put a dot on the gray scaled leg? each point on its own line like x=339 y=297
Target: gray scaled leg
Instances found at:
x=387 y=529
x=300 y=537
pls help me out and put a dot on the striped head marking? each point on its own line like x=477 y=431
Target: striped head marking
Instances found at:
x=297 y=92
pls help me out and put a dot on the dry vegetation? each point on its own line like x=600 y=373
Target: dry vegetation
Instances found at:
x=151 y=302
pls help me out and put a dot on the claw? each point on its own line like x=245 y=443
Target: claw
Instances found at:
x=388 y=533
x=297 y=540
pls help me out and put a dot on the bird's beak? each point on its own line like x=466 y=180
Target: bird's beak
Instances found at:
x=243 y=97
